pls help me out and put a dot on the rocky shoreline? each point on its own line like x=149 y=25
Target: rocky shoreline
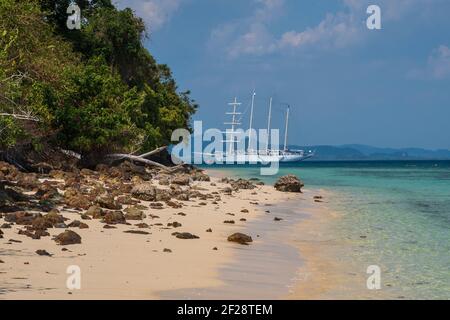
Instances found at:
x=59 y=207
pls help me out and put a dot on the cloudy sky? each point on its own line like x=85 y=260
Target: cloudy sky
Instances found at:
x=346 y=83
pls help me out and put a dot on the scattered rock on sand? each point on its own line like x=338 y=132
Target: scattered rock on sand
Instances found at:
x=142 y=225
x=174 y=224
x=185 y=235
x=78 y=224
x=167 y=250
x=209 y=230
x=240 y=238
x=289 y=183
x=114 y=217
x=144 y=191
x=136 y=232
x=43 y=253
x=181 y=179
x=67 y=237
x=108 y=203
x=229 y=221
x=107 y=226
x=277 y=219
x=133 y=213
x=95 y=211
x=21 y=217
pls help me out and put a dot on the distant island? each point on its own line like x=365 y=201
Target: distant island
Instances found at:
x=355 y=152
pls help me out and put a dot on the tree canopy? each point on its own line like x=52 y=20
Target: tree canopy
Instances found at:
x=95 y=90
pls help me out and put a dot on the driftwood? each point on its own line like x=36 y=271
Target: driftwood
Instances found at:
x=141 y=159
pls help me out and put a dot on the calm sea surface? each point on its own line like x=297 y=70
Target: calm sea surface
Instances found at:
x=400 y=211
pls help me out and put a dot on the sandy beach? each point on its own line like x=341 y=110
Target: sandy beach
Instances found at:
x=295 y=254
x=119 y=265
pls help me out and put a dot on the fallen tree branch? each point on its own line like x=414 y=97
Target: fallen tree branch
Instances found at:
x=158 y=150
x=120 y=156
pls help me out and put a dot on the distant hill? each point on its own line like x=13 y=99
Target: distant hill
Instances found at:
x=365 y=152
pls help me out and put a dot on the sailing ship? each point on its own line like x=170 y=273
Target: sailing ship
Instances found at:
x=264 y=156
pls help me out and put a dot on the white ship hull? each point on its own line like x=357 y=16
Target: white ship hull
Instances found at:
x=257 y=158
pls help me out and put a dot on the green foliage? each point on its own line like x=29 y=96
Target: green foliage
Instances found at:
x=95 y=90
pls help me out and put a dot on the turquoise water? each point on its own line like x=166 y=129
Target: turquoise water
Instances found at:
x=396 y=213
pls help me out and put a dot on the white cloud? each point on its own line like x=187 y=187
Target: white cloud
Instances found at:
x=437 y=66
x=252 y=35
x=154 y=12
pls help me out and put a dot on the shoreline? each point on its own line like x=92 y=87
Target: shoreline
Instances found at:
x=117 y=265
x=286 y=260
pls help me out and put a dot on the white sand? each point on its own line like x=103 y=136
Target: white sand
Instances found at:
x=117 y=265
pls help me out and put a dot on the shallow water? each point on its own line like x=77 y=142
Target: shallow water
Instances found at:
x=396 y=214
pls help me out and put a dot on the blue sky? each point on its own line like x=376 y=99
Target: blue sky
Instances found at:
x=346 y=84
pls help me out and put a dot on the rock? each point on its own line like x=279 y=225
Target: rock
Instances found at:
x=209 y=230
x=132 y=213
x=277 y=219
x=142 y=225
x=78 y=224
x=43 y=253
x=199 y=175
x=229 y=221
x=162 y=195
x=215 y=249
x=21 y=217
x=167 y=250
x=95 y=211
x=242 y=184
x=5 y=226
x=1 y=234
x=77 y=201
x=174 y=204
x=185 y=235
x=108 y=203
x=67 y=237
x=144 y=191
x=156 y=205
x=240 y=238
x=114 y=217
x=54 y=217
x=41 y=223
x=137 y=232
x=289 y=183
x=244 y=210
x=164 y=180
x=61 y=225
x=125 y=199
x=318 y=197
x=243 y=219
x=107 y=226
x=181 y=179
x=174 y=224
x=46 y=191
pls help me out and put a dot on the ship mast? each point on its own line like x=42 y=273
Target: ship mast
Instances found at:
x=233 y=123
x=251 y=121
x=286 y=130
x=268 y=125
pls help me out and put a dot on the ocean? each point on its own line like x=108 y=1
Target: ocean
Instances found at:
x=399 y=212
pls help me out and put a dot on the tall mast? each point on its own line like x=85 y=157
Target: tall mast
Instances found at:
x=251 y=120
x=268 y=124
x=233 y=123
x=286 y=131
